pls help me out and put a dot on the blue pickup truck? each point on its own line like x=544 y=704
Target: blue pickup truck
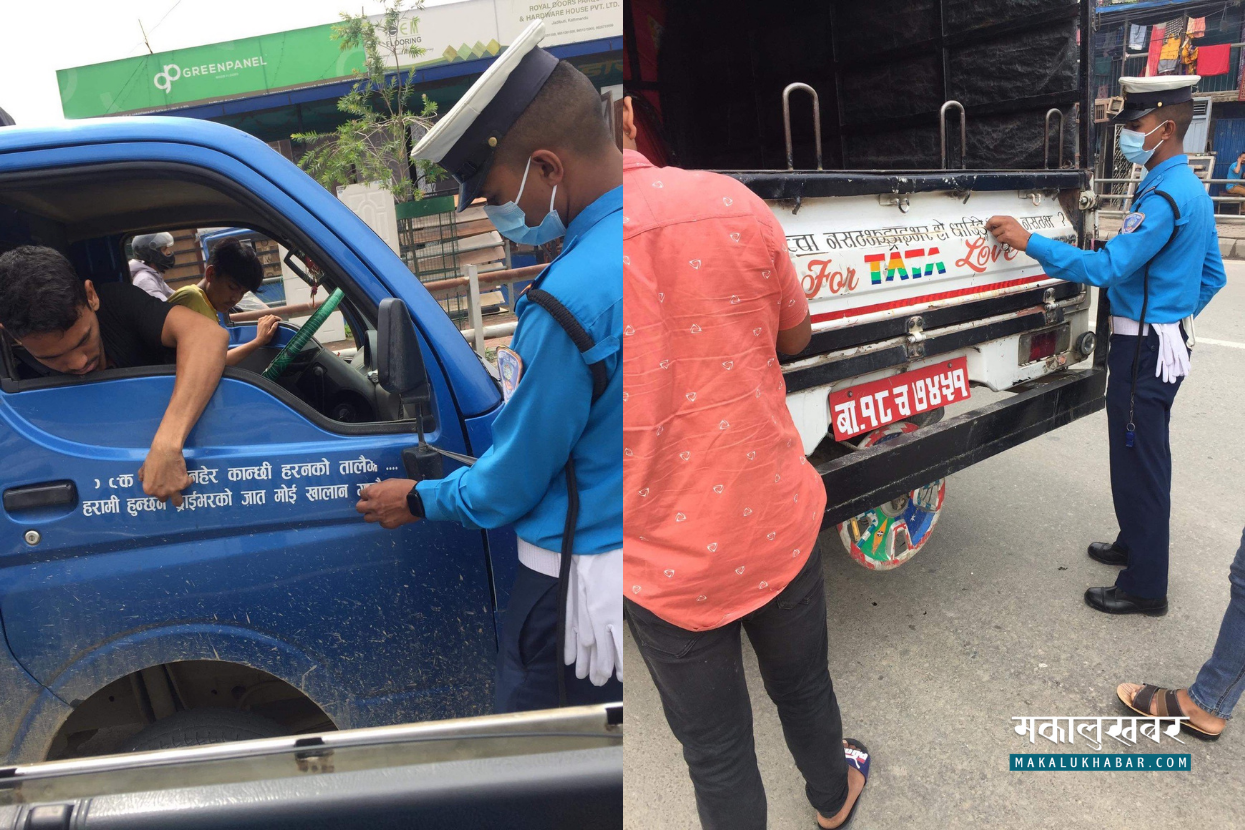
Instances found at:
x=264 y=605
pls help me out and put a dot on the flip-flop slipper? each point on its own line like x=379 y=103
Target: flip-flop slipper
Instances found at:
x=1165 y=703
x=858 y=755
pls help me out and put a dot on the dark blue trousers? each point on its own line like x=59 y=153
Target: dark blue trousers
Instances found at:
x=527 y=662
x=1141 y=476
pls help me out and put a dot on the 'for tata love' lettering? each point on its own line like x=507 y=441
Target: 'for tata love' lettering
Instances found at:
x=836 y=281
x=902 y=266
x=980 y=254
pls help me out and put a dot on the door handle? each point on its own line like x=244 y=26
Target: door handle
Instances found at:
x=35 y=496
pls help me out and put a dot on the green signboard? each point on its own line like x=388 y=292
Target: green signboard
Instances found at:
x=462 y=31
x=203 y=73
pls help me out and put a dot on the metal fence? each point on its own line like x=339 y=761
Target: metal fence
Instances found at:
x=1120 y=191
x=464 y=264
x=470 y=285
x=428 y=244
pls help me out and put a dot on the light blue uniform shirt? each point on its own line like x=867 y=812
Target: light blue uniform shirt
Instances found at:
x=1234 y=173
x=1183 y=278
x=550 y=417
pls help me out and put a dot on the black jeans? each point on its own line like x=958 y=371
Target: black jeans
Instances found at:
x=700 y=676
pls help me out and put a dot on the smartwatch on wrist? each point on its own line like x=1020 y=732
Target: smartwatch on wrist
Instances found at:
x=414 y=503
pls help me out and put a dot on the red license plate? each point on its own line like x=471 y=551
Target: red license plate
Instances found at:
x=860 y=409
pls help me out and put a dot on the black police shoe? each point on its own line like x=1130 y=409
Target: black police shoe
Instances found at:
x=1112 y=600
x=1107 y=553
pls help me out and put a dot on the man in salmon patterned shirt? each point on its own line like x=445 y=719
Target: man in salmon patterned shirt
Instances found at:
x=721 y=508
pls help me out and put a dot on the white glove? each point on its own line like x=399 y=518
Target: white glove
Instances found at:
x=1173 y=357
x=1163 y=365
x=594 y=617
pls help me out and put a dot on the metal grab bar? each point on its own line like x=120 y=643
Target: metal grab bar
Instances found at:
x=786 y=121
x=942 y=134
x=1046 y=138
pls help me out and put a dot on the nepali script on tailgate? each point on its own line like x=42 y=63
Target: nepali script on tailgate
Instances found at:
x=860 y=260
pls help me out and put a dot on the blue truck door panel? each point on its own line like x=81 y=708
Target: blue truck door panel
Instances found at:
x=267 y=539
x=401 y=621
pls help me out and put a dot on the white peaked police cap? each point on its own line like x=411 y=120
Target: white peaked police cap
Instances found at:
x=464 y=140
x=1143 y=95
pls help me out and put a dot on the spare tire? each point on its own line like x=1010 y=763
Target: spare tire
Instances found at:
x=199 y=727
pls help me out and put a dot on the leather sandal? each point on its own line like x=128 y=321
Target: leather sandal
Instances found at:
x=1167 y=706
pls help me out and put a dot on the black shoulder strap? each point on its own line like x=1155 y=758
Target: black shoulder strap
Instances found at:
x=1175 y=218
x=584 y=342
x=578 y=334
x=1145 y=304
x=1171 y=201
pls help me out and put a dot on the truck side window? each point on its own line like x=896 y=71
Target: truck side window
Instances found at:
x=112 y=223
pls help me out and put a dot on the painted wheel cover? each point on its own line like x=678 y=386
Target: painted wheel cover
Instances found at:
x=890 y=534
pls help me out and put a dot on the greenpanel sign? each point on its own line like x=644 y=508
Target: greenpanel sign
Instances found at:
x=462 y=31
x=202 y=73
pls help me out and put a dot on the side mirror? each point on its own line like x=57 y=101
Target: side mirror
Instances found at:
x=399 y=361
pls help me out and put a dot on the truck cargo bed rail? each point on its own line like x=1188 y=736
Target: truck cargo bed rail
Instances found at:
x=811 y=184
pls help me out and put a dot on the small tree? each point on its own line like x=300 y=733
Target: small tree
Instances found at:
x=374 y=144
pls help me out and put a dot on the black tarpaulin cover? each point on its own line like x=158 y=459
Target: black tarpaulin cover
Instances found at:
x=882 y=70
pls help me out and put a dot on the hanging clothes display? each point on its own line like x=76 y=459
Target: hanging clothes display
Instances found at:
x=1196 y=27
x=1169 y=56
x=1136 y=37
x=1156 y=48
x=1188 y=54
x=1213 y=60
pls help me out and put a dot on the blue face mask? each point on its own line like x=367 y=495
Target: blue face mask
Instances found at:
x=1133 y=145
x=511 y=222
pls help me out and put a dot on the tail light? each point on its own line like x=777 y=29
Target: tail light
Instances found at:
x=1042 y=346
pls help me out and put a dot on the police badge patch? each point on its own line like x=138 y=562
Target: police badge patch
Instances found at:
x=1132 y=222
x=510 y=367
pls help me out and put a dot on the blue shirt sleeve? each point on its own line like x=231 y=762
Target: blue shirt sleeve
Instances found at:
x=533 y=434
x=1213 y=275
x=1121 y=256
x=1235 y=186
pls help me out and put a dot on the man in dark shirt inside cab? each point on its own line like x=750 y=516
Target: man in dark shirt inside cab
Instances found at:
x=74 y=327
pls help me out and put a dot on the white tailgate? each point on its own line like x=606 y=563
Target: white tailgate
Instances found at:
x=860 y=260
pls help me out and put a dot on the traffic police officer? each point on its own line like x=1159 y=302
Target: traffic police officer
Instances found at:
x=530 y=137
x=1160 y=271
